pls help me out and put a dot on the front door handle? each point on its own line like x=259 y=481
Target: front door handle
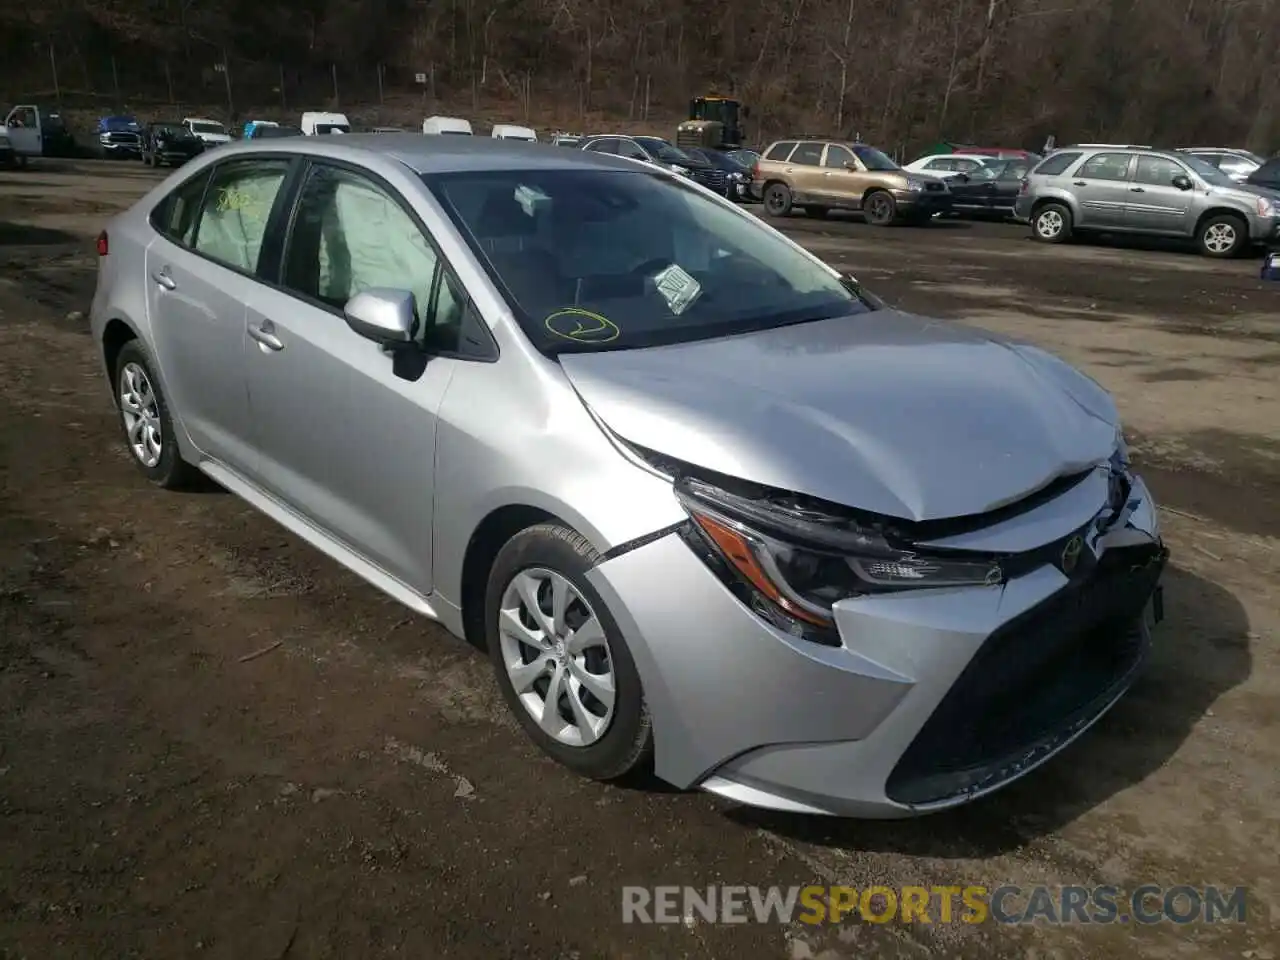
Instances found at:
x=1137 y=190
x=265 y=334
x=162 y=277
x=1080 y=183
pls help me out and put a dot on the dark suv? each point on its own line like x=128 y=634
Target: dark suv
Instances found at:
x=169 y=141
x=1267 y=175
x=656 y=150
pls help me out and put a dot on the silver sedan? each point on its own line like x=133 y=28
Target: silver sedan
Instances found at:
x=711 y=507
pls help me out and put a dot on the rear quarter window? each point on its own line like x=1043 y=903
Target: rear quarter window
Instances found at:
x=780 y=151
x=1057 y=164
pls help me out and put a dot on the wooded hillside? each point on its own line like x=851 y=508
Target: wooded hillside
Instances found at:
x=896 y=71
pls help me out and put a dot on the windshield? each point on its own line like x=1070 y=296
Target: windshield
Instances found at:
x=208 y=126
x=1207 y=172
x=323 y=128
x=659 y=149
x=986 y=171
x=172 y=130
x=746 y=158
x=872 y=158
x=611 y=259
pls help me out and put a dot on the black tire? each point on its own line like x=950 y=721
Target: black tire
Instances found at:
x=816 y=213
x=777 y=200
x=879 y=208
x=627 y=743
x=170 y=472
x=1051 y=223
x=1220 y=228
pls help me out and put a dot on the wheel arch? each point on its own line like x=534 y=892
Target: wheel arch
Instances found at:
x=1235 y=214
x=116 y=333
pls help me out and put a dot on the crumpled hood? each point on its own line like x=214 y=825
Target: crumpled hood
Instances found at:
x=885 y=412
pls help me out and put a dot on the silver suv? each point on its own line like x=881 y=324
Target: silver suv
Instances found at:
x=1118 y=189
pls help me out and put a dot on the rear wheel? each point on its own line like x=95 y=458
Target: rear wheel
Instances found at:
x=1051 y=224
x=880 y=208
x=560 y=659
x=144 y=418
x=1222 y=236
x=777 y=200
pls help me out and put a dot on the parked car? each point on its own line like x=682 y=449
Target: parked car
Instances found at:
x=251 y=125
x=948 y=164
x=274 y=131
x=1235 y=163
x=512 y=131
x=669 y=497
x=318 y=123
x=991 y=189
x=737 y=186
x=119 y=137
x=456 y=126
x=818 y=176
x=169 y=142
x=657 y=151
x=1143 y=191
x=573 y=140
x=1266 y=176
x=37 y=131
x=211 y=132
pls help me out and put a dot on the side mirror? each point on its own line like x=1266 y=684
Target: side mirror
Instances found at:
x=851 y=166
x=1182 y=182
x=383 y=315
x=962 y=177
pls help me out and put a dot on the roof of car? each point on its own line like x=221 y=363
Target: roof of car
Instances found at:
x=426 y=154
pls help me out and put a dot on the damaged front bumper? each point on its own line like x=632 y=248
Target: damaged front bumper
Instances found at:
x=932 y=697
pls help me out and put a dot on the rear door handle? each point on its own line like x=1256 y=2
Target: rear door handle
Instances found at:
x=265 y=334
x=162 y=277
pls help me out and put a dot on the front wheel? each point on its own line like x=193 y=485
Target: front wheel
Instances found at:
x=880 y=208
x=777 y=200
x=1221 y=236
x=560 y=659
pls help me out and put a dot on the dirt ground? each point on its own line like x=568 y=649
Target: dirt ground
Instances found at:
x=359 y=791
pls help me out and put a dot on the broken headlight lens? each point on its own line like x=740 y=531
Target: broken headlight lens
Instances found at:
x=804 y=562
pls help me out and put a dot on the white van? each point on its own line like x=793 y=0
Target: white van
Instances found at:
x=454 y=125
x=316 y=123
x=509 y=131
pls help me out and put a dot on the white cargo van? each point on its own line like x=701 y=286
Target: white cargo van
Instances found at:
x=509 y=131
x=316 y=124
x=454 y=125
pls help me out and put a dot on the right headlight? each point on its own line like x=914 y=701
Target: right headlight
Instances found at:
x=799 y=562
x=1265 y=207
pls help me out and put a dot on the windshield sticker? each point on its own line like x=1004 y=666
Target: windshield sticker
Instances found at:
x=582 y=326
x=678 y=288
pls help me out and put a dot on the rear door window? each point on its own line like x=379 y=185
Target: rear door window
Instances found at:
x=237 y=206
x=808 y=154
x=780 y=151
x=1106 y=166
x=1059 y=163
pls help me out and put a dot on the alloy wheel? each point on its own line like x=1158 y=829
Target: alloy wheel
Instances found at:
x=141 y=412
x=557 y=657
x=1220 y=238
x=1050 y=224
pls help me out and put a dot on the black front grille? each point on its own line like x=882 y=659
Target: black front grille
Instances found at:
x=123 y=139
x=1034 y=683
x=711 y=179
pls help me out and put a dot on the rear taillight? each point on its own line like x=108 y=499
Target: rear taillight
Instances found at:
x=755 y=171
x=1026 y=185
x=102 y=244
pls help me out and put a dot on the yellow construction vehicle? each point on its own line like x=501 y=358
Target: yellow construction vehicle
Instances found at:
x=714 y=122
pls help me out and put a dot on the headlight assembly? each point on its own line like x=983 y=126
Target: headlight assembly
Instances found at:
x=803 y=562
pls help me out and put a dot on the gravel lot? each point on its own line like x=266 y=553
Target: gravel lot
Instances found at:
x=359 y=791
